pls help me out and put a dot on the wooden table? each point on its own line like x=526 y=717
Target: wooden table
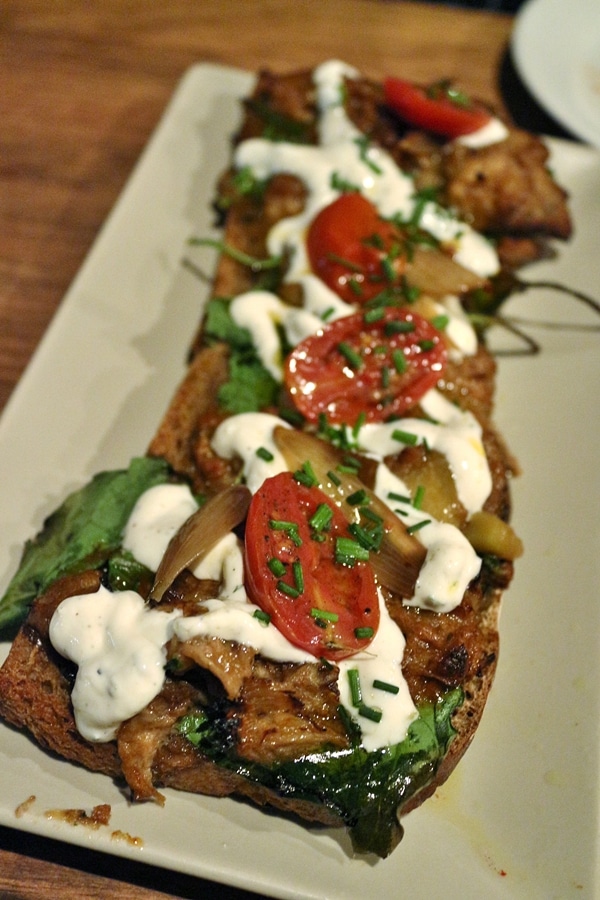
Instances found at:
x=83 y=86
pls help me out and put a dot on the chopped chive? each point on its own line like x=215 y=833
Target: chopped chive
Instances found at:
x=388 y=268
x=355 y=286
x=362 y=633
x=374 y=314
x=355 y=691
x=290 y=528
x=324 y=615
x=418 y=525
x=357 y=498
x=440 y=322
x=370 y=712
x=343 y=261
x=265 y=454
x=350 y=354
x=399 y=360
x=374 y=240
x=349 y=551
x=334 y=478
x=399 y=498
x=370 y=539
x=338 y=183
x=298 y=576
x=306 y=475
x=257 y=265
x=349 y=725
x=368 y=513
x=351 y=463
x=292 y=416
x=360 y=421
x=327 y=314
x=419 y=495
x=386 y=686
x=276 y=567
x=405 y=437
x=363 y=145
x=398 y=327
x=263 y=617
x=426 y=344
x=385 y=377
x=321 y=518
x=288 y=589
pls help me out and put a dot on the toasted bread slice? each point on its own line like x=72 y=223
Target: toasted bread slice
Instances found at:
x=268 y=718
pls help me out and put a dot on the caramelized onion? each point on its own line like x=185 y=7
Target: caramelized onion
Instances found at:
x=400 y=556
x=437 y=274
x=199 y=534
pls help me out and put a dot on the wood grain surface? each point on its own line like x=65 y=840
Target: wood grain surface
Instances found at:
x=83 y=86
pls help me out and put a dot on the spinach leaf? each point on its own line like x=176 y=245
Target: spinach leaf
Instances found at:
x=250 y=386
x=85 y=530
x=366 y=789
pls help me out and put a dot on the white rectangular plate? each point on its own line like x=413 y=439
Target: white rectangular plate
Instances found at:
x=519 y=817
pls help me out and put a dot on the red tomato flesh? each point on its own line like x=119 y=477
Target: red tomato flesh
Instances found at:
x=335 y=600
x=353 y=367
x=433 y=109
x=354 y=251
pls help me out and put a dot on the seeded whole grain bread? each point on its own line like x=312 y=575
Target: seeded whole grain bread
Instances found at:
x=457 y=649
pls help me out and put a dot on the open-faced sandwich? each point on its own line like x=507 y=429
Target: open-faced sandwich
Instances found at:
x=293 y=596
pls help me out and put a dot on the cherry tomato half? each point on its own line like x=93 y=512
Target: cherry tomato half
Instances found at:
x=356 y=366
x=293 y=573
x=354 y=251
x=434 y=109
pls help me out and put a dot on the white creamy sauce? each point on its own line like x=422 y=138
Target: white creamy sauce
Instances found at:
x=381 y=661
x=157 y=515
x=459 y=330
x=118 y=645
x=242 y=436
x=450 y=563
x=491 y=133
x=449 y=567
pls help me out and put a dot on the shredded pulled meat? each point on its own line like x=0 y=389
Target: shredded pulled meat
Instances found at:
x=288 y=710
x=141 y=736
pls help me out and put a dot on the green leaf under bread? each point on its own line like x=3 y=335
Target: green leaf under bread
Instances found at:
x=85 y=530
x=366 y=789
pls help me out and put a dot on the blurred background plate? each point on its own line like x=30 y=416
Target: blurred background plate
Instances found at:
x=556 y=49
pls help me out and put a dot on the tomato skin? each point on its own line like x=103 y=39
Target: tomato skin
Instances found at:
x=321 y=381
x=349 y=592
x=437 y=114
x=347 y=244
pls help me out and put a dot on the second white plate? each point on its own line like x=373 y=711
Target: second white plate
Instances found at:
x=556 y=48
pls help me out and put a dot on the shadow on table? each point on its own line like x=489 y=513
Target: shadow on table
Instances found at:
x=523 y=108
x=100 y=866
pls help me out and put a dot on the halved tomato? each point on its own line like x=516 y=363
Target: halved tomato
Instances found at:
x=353 y=250
x=438 y=108
x=302 y=572
x=376 y=364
